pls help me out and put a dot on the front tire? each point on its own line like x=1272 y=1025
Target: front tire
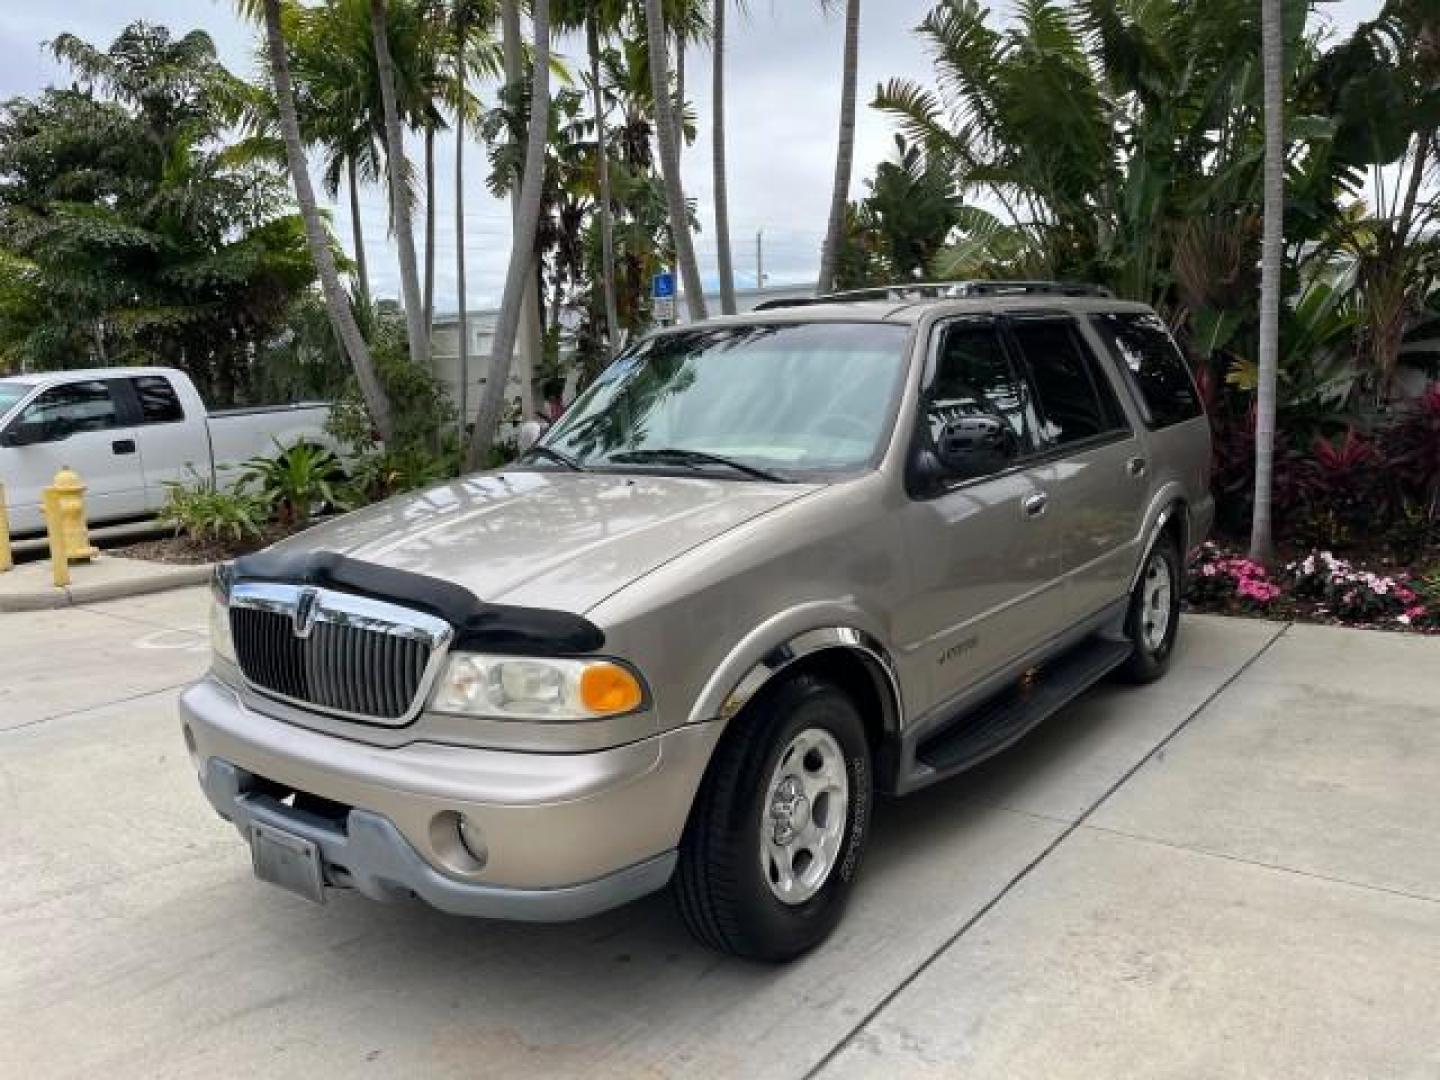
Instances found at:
x=1153 y=621
x=775 y=839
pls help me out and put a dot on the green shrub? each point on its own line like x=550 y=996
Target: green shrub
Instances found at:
x=385 y=473
x=204 y=513
x=295 y=482
x=420 y=406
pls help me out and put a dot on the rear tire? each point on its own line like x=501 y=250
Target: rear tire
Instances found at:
x=1153 y=621
x=776 y=835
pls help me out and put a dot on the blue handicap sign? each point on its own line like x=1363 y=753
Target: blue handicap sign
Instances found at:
x=662 y=286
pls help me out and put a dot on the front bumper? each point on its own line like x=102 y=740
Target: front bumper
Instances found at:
x=566 y=835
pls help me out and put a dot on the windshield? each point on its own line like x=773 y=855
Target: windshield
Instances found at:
x=777 y=398
x=11 y=393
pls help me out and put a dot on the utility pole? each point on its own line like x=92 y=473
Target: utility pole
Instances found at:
x=760 y=259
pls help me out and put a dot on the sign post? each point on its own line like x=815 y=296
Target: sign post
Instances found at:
x=662 y=297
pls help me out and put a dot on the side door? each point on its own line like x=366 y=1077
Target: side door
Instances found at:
x=174 y=447
x=985 y=559
x=83 y=425
x=1096 y=471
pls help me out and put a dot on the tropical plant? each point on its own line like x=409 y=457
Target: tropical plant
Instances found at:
x=522 y=245
x=135 y=228
x=299 y=480
x=337 y=304
x=668 y=138
x=1272 y=54
x=719 y=175
x=207 y=514
x=380 y=475
x=844 y=151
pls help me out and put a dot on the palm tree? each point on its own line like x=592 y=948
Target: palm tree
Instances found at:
x=845 y=153
x=1272 y=59
x=721 y=182
x=337 y=303
x=599 y=19
x=668 y=137
x=466 y=16
x=398 y=166
x=527 y=220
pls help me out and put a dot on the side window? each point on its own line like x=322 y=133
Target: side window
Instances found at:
x=1076 y=400
x=65 y=410
x=159 y=404
x=973 y=377
x=1153 y=363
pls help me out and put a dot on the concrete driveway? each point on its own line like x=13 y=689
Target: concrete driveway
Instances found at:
x=1235 y=872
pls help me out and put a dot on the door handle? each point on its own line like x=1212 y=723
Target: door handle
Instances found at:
x=1034 y=505
x=123 y=446
x=1135 y=467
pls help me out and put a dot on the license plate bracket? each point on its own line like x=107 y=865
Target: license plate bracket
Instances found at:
x=287 y=860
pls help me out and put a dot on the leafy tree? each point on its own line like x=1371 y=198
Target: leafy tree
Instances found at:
x=134 y=229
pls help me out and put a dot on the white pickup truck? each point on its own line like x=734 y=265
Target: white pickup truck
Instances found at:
x=129 y=432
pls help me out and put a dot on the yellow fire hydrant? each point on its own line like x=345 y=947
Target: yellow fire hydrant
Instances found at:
x=7 y=559
x=64 y=503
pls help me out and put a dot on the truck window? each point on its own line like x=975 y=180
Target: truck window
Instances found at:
x=973 y=377
x=74 y=407
x=1076 y=399
x=1154 y=366
x=159 y=404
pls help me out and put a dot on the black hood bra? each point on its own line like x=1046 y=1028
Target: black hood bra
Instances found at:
x=479 y=627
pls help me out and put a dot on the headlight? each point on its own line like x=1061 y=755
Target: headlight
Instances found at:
x=220 y=639
x=535 y=688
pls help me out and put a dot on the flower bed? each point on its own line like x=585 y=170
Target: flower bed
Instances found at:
x=1317 y=587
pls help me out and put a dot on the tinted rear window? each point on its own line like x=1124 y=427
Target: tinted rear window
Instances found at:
x=1075 y=398
x=1154 y=366
x=159 y=403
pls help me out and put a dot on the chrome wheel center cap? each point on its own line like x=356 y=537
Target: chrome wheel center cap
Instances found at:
x=789 y=810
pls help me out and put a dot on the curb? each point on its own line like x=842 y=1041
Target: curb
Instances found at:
x=171 y=577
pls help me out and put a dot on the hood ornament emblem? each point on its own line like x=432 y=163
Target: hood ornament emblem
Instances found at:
x=302 y=619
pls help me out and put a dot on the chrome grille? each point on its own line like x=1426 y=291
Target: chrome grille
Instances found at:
x=346 y=655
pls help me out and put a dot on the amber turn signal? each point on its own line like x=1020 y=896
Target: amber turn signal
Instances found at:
x=609 y=688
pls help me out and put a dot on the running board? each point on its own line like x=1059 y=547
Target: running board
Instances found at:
x=995 y=724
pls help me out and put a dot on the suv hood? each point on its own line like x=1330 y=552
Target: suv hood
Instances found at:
x=547 y=540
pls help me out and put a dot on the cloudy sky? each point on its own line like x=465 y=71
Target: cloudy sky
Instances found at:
x=783 y=103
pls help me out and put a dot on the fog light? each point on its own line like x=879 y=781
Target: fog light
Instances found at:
x=473 y=841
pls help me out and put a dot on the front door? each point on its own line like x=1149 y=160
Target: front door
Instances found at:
x=985 y=555
x=1096 y=472
x=78 y=425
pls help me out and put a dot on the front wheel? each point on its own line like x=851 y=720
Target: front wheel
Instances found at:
x=779 y=826
x=1153 y=621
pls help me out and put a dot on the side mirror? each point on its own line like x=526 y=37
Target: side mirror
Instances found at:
x=974 y=446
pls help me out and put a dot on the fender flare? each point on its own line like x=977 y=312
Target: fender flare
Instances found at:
x=734 y=684
x=1169 y=502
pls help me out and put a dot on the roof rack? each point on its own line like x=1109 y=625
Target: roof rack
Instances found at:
x=944 y=290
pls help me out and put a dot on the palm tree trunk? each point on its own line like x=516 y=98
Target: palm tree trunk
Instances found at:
x=395 y=164
x=1272 y=53
x=721 y=183
x=362 y=270
x=845 y=154
x=522 y=246
x=462 y=325
x=337 y=304
x=429 y=230
x=607 y=220
x=670 y=161
x=530 y=335
x=679 y=92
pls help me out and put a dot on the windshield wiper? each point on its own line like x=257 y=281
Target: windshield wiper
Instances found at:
x=561 y=458
x=674 y=455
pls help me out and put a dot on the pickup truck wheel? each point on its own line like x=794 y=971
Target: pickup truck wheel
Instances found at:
x=775 y=839
x=1154 y=618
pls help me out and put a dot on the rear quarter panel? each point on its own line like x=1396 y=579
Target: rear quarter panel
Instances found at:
x=236 y=437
